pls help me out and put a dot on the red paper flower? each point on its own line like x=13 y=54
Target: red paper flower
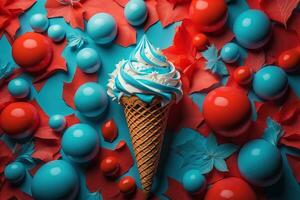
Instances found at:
x=10 y=10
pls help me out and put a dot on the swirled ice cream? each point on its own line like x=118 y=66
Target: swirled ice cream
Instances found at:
x=147 y=74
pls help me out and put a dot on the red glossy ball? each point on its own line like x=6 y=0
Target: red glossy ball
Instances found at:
x=109 y=130
x=227 y=110
x=230 y=189
x=289 y=60
x=243 y=75
x=32 y=51
x=208 y=15
x=200 y=41
x=109 y=166
x=127 y=185
x=19 y=120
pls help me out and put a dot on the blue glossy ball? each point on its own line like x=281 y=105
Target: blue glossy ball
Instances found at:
x=252 y=29
x=260 y=163
x=56 y=32
x=19 y=88
x=57 y=122
x=55 y=180
x=193 y=181
x=270 y=83
x=80 y=143
x=15 y=172
x=88 y=60
x=39 y=22
x=91 y=99
x=230 y=53
x=136 y=12
x=102 y=27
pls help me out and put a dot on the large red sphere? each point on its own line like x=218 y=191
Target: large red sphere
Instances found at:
x=208 y=15
x=127 y=185
x=230 y=189
x=19 y=120
x=227 y=110
x=32 y=51
x=289 y=60
x=109 y=166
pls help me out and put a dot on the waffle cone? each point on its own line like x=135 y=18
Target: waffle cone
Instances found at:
x=147 y=124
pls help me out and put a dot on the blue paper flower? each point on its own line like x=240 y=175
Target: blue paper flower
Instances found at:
x=76 y=41
x=24 y=154
x=213 y=61
x=273 y=132
x=5 y=70
x=205 y=155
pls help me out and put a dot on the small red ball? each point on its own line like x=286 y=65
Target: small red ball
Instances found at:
x=109 y=166
x=127 y=185
x=19 y=120
x=227 y=110
x=109 y=130
x=243 y=75
x=230 y=189
x=289 y=60
x=32 y=51
x=200 y=41
x=208 y=15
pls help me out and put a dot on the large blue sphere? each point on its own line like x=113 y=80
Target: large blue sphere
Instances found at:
x=252 y=29
x=260 y=163
x=270 y=83
x=15 y=172
x=91 y=99
x=136 y=12
x=39 y=22
x=57 y=122
x=102 y=28
x=80 y=143
x=88 y=60
x=55 y=180
x=56 y=32
x=19 y=88
x=230 y=52
x=193 y=180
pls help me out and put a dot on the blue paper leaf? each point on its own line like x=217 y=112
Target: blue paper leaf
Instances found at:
x=206 y=166
x=93 y=196
x=76 y=41
x=213 y=61
x=225 y=150
x=273 y=132
x=211 y=144
x=220 y=165
x=5 y=69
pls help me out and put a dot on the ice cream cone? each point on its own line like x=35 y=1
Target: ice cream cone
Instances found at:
x=147 y=124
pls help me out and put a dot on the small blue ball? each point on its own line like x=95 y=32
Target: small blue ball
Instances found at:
x=230 y=53
x=55 y=180
x=102 y=28
x=39 y=22
x=136 y=12
x=88 y=60
x=252 y=29
x=260 y=163
x=270 y=83
x=80 y=143
x=91 y=99
x=56 y=32
x=57 y=122
x=15 y=172
x=193 y=181
x=19 y=88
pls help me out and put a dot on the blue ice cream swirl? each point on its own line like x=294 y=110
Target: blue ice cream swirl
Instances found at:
x=147 y=74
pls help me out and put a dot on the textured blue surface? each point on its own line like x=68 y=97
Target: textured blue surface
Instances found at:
x=50 y=99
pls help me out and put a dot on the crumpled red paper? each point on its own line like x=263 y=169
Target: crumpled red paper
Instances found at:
x=295 y=165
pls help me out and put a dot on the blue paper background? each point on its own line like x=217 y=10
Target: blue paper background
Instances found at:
x=50 y=99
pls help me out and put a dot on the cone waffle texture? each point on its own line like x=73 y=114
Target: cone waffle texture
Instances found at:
x=147 y=124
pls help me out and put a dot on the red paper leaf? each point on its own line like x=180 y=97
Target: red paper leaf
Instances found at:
x=176 y=191
x=294 y=23
x=169 y=13
x=73 y=14
x=295 y=166
x=219 y=40
x=255 y=60
x=6 y=156
x=126 y=33
x=96 y=181
x=70 y=88
x=152 y=14
x=10 y=192
x=254 y=4
x=279 y=10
